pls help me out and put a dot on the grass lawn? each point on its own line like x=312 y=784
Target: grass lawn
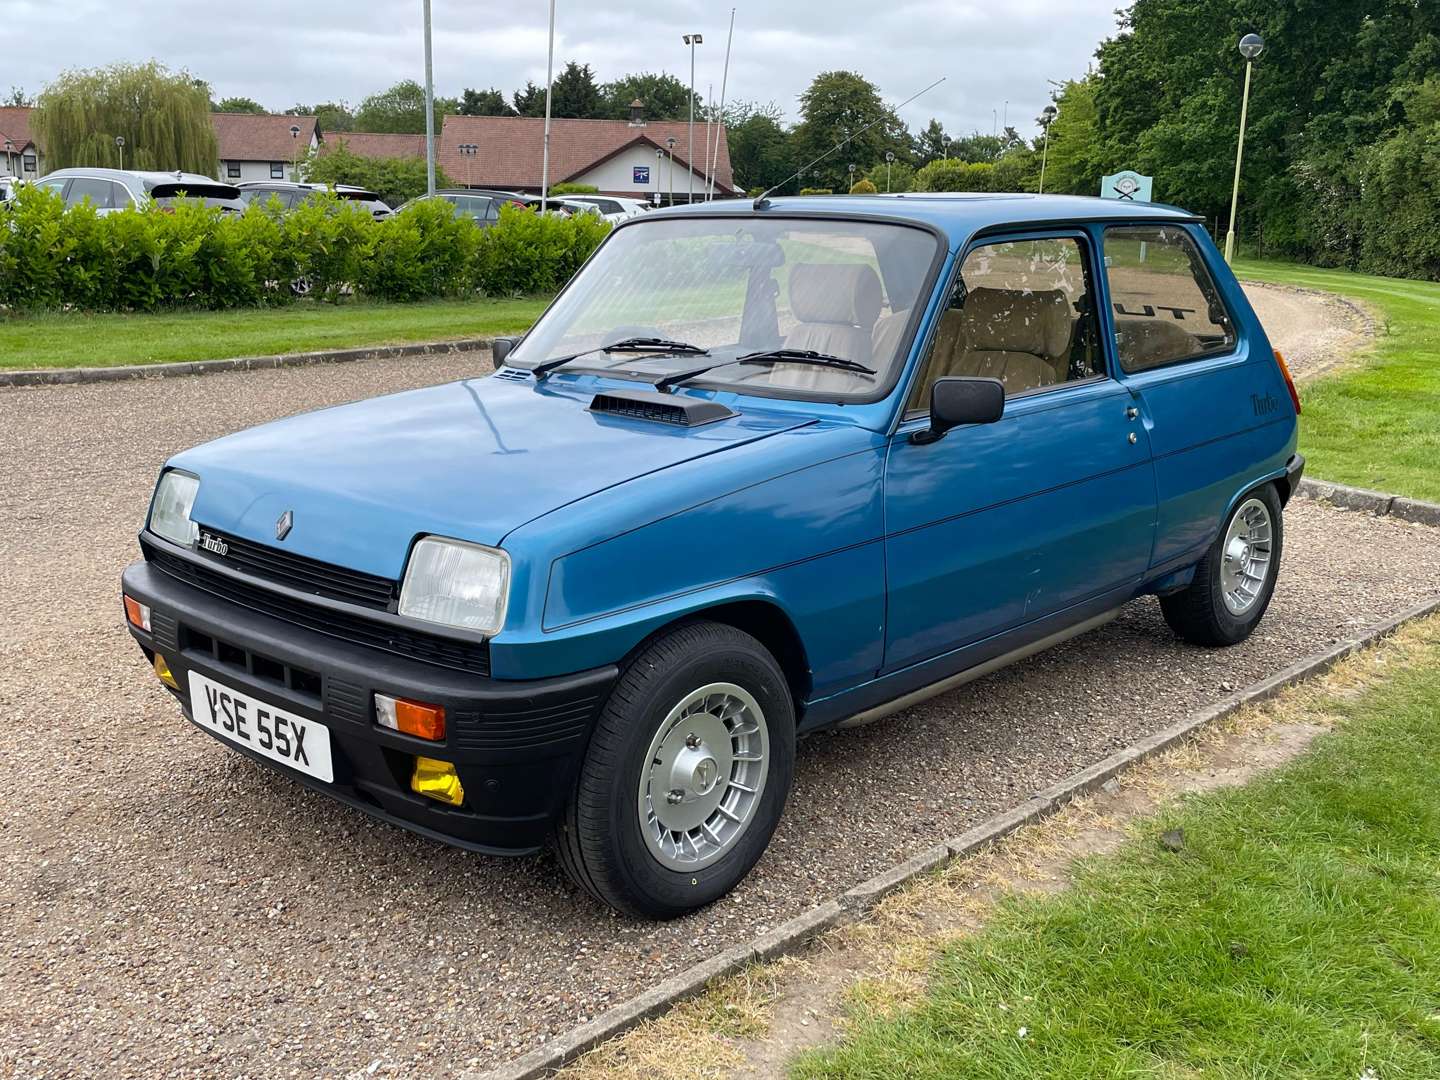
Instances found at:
x=1296 y=934
x=81 y=340
x=1377 y=426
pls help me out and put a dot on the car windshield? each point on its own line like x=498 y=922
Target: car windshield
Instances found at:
x=743 y=286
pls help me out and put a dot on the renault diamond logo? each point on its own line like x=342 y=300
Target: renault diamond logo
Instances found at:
x=283 y=526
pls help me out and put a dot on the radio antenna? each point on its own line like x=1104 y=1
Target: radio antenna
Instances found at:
x=760 y=202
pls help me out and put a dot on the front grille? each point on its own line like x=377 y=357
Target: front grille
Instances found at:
x=228 y=654
x=472 y=657
x=300 y=573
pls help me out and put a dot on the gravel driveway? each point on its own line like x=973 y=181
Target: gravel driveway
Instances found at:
x=168 y=908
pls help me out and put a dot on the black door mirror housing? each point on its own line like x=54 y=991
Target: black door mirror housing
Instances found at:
x=961 y=399
x=500 y=349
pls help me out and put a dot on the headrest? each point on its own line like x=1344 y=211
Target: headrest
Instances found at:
x=1008 y=320
x=844 y=293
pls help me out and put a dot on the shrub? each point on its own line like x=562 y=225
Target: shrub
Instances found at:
x=863 y=187
x=197 y=256
x=574 y=189
x=952 y=174
x=817 y=191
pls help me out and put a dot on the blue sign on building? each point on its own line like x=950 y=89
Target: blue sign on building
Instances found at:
x=640 y=174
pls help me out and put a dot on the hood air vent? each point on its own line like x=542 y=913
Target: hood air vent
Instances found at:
x=680 y=411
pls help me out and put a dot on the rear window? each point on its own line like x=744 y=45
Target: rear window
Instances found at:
x=1166 y=306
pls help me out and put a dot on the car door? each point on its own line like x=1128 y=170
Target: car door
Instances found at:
x=1211 y=415
x=1048 y=513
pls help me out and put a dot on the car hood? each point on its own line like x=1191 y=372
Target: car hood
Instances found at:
x=473 y=460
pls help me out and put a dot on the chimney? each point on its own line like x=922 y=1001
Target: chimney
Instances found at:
x=637 y=113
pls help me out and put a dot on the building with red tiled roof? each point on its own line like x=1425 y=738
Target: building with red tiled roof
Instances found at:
x=374 y=144
x=19 y=156
x=617 y=156
x=262 y=146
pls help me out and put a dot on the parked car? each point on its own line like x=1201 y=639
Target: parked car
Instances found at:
x=612 y=208
x=289 y=194
x=109 y=190
x=600 y=593
x=9 y=185
x=480 y=206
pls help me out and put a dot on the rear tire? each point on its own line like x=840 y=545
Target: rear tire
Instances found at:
x=1236 y=579
x=686 y=774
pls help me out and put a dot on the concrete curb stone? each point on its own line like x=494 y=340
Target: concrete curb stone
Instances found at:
x=68 y=376
x=850 y=907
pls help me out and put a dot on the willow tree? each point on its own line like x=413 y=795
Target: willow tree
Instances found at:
x=164 y=119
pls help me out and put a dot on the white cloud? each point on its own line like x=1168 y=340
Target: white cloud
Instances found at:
x=280 y=52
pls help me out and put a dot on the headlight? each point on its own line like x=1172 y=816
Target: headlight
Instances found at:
x=170 y=510
x=458 y=584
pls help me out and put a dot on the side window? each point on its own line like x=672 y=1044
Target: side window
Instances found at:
x=56 y=186
x=120 y=196
x=85 y=187
x=277 y=170
x=1021 y=312
x=1167 y=308
x=232 y=170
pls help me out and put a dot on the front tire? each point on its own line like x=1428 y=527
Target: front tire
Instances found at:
x=686 y=775
x=1236 y=579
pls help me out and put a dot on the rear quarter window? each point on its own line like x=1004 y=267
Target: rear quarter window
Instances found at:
x=1166 y=306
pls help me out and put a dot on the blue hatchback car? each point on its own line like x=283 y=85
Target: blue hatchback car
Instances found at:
x=759 y=470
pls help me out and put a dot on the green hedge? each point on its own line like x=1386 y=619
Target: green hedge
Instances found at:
x=143 y=260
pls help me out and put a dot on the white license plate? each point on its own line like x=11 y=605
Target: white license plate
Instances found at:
x=274 y=733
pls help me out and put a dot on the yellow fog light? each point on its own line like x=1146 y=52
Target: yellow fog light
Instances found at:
x=162 y=669
x=438 y=780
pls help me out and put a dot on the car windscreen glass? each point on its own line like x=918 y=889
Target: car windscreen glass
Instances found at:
x=213 y=194
x=736 y=286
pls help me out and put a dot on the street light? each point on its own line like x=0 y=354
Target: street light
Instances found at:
x=429 y=108
x=9 y=156
x=295 y=152
x=670 y=146
x=549 y=91
x=119 y=143
x=889 y=160
x=851 y=167
x=692 y=40
x=1251 y=46
x=467 y=150
x=659 y=160
x=1047 y=117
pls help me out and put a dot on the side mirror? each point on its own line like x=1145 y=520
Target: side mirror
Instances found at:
x=961 y=399
x=500 y=349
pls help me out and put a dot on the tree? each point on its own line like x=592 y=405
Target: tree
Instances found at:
x=164 y=119
x=396 y=180
x=17 y=98
x=1077 y=158
x=932 y=143
x=841 y=104
x=665 y=97
x=529 y=101
x=331 y=115
x=401 y=109
x=238 y=105
x=484 y=103
x=761 y=153
x=575 y=94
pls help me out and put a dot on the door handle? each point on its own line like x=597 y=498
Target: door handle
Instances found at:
x=1131 y=413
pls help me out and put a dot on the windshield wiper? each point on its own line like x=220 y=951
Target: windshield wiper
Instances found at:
x=633 y=344
x=769 y=356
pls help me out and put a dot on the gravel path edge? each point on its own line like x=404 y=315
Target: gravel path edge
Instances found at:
x=1379 y=503
x=852 y=905
x=66 y=376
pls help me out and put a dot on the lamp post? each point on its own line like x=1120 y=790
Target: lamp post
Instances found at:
x=295 y=152
x=692 y=40
x=1047 y=118
x=468 y=150
x=549 y=88
x=1251 y=46
x=851 y=167
x=670 y=146
x=9 y=156
x=429 y=110
x=119 y=145
x=889 y=160
x=659 y=161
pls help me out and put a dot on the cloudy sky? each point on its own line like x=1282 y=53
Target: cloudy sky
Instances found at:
x=283 y=51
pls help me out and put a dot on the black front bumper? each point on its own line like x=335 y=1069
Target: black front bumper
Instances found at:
x=515 y=745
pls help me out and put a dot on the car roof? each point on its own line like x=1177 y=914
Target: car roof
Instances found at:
x=132 y=174
x=957 y=214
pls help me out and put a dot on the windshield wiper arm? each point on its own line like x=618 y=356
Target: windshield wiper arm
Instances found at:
x=773 y=356
x=632 y=344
